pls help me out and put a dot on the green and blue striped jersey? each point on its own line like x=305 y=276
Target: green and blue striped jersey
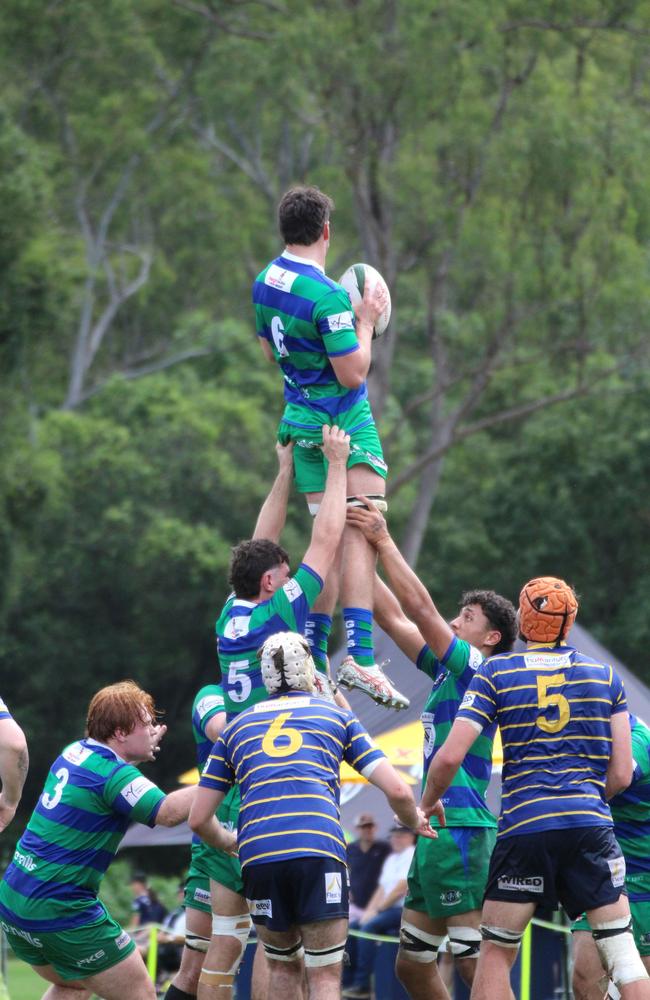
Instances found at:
x=307 y=319
x=90 y=797
x=464 y=801
x=553 y=706
x=631 y=807
x=244 y=626
x=285 y=754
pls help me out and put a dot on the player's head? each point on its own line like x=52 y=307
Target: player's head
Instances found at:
x=256 y=565
x=118 y=707
x=302 y=214
x=287 y=663
x=547 y=610
x=486 y=620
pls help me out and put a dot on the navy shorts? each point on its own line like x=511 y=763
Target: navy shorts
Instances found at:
x=286 y=894
x=581 y=868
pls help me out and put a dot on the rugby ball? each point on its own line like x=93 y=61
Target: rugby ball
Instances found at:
x=354 y=282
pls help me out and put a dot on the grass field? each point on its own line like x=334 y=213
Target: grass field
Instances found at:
x=24 y=984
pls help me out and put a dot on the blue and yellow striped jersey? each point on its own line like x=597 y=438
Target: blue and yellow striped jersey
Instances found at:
x=285 y=754
x=553 y=706
x=4 y=711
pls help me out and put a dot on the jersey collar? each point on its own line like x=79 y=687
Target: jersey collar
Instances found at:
x=301 y=260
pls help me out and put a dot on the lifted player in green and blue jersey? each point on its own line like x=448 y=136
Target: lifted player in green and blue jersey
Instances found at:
x=306 y=324
x=447 y=879
x=49 y=908
x=631 y=815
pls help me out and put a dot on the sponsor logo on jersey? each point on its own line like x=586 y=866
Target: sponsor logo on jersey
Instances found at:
x=475 y=658
x=92 y=958
x=468 y=699
x=135 y=789
x=556 y=661
x=25 y=861
x=617 y=870
x=19 y=932
x=202 y=895
x=76 y=754
x=340 y=321
x=210 y=701
x=293 y=590
x=280 y=278
x=512 y=883
x=122 y=941
x=237 y=626
x=429 y=733
x=333 y=887
x=260 y=907
x=451 y=897
x=280 y=704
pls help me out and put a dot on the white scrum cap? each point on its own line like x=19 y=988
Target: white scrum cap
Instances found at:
x=287 y=663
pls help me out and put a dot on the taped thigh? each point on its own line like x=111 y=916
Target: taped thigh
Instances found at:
x=291 y=954
x=501 y=935
x=196 y=942
x=618 y=952
x=316 y=957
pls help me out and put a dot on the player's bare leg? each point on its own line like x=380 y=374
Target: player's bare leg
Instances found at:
x=198 y=927
x=225 y=950
x=420 y=979
x=285 y=978
x=324 y=944
x=492 y=977
x=590 y=981
x=128 y=980
x=359 y=669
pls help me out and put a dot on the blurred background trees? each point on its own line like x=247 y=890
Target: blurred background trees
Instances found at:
x=490 y=160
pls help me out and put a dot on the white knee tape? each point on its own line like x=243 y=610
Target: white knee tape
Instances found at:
x=291 y=954
x=501 y=936
x=617 y=950
x=313 y=508
x=196 y=942
x=315 y=957
x=417 y=945
x=238 y=926
x=464 y=942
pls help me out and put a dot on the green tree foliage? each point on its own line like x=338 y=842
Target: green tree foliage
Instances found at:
x=489 y=159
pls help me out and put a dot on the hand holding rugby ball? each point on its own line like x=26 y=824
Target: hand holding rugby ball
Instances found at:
x=354 y=281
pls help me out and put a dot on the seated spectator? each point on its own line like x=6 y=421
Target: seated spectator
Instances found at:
x=366 y=855
x=171 y=938
x=383 y=912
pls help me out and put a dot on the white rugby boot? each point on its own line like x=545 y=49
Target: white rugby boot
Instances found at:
x=373 y=681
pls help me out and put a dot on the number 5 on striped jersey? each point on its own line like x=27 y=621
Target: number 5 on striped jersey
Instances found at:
x=545 y=700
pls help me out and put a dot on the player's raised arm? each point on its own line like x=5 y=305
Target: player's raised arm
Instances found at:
x=14 y=763
x=273 y=513
x=330 y=519
x=351 y=369
x=408 y=588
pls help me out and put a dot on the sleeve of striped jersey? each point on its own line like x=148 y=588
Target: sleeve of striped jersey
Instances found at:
x=359 y=750
x=334 y=320
x=619 y=701
x=130 y=794
x=217 y=773
x=428 y=662
x=294 y=601
x=479 y=701
x=207 y=708
x=640 y=752
x=4 y=711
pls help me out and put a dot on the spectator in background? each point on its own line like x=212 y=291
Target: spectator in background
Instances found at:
x=171 y=939
x=383 y=912
x=366 y=855
x=147 y=909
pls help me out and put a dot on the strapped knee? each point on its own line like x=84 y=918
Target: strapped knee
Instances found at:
x=617 y=950
x=417 y=945
x=291 y=954
x=316 y=957
x=237 y=926
x=464 y=942
x=196 y=942
x=501 y=936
